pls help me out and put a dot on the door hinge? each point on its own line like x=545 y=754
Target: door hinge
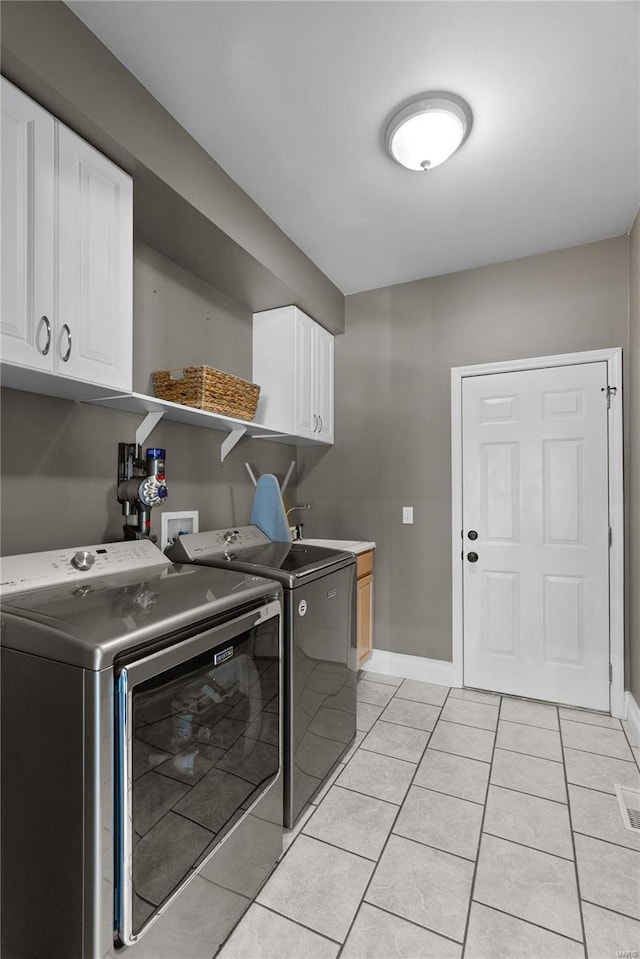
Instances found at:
x=610 y=391
x=610 y=673
x=610 y=536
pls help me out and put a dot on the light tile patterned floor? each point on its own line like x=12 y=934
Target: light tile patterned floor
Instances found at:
x=462 y=825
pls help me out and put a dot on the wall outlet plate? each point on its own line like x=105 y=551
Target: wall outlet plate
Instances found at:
x=407 y=514
x=176 y=524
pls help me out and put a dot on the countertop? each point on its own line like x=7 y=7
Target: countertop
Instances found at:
x=350 y=545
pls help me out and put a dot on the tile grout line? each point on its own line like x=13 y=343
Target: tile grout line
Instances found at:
x=359 y=792
x=332 y=845
x=502 y=912
x=573 y=844
x=581 y=722
x=518 y=752
x=524 y=792
x=487 y=729
x=390 y=722
x=609 y=842
x=624 y=915
x=594 y=789
x=630 y=744
x=391 y=833
x=412 y=922
x=518 y=722
x=274 y=912
x=590 y=752
x=480 y=835
x=524 y=845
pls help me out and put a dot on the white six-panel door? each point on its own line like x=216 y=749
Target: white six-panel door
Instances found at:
x=535 y=490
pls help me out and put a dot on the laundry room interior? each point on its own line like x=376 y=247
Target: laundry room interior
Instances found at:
x=416 y=541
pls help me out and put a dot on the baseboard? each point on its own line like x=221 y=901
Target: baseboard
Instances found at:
x=410 y=667
x=632 y=714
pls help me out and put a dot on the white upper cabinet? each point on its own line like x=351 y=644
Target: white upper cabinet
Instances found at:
x=293 y=365
x=67 y=251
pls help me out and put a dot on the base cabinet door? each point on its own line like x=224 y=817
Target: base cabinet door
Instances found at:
x=365 y=606
x=26 y=321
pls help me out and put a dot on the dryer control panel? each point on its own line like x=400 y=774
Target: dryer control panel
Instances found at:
x=215 y=542
x=28 y=571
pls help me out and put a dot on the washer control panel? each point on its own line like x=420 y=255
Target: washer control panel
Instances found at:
x=36 y=570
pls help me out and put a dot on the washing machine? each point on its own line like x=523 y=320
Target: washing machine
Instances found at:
x=141 y=752
x=320 y=645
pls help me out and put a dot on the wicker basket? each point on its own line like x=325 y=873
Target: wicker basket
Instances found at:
x=208 y=389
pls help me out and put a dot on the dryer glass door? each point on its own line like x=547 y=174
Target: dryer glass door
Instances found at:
x=199 y=743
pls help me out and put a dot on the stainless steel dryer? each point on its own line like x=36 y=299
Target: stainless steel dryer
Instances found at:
x=141 y=752
x=320 y=645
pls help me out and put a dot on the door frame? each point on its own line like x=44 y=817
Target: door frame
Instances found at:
x=613 y=359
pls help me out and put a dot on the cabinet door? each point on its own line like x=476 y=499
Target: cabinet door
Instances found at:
x=94 y=337
x=365 y=617
x=306 y=414
x=26 y=322
x=324 y=384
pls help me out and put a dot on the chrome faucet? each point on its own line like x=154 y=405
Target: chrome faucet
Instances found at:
x=296 y=531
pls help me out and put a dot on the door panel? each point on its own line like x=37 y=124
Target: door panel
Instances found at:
x=563 y=619
x=500 y=492
x=305 y=413
x=95 y=232
x=501 y=612
x=324 y=384
x=27 y=318
x=535 y=487
x=562 y=505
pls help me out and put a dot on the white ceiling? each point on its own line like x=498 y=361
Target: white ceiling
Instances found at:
x=291 y=98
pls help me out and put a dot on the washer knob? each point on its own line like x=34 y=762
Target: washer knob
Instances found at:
x=83 y=560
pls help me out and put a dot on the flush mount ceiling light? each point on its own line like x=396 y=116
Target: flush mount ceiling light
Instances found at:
x=427 y=130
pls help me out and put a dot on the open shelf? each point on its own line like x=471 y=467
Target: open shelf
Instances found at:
x=154 y=410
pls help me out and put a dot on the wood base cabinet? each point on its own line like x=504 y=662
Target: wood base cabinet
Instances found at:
x=365 y=606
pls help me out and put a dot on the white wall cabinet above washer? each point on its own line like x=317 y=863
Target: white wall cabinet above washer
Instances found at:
x=67 y=253
x=293 y=364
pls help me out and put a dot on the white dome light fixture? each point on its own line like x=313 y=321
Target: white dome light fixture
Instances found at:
x=428 y=130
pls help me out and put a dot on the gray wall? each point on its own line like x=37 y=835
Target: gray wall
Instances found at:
x=59 y=458
x=59 y=462
x=181 y=321
x=633 y=460
x=393 y=411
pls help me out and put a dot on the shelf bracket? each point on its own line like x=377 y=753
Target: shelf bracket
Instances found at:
x=230 y=441
x=285 y=482
x=147 y=426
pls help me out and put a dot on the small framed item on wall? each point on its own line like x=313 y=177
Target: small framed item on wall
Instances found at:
x=176 y=524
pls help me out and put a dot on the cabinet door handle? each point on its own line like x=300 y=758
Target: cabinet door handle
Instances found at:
x=320 y=426
x=45 y=321
x=65 y=356
x=315 y=423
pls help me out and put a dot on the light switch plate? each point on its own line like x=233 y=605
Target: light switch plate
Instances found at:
x=407 y=514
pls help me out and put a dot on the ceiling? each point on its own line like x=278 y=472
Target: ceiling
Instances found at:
x=291 y=99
